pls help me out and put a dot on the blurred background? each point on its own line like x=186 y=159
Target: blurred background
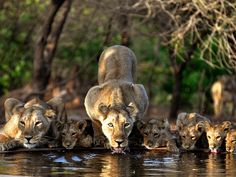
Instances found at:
x=51 y=48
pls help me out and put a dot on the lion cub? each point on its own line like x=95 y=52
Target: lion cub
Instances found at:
x=231 y=141
x=156 y=133
x=216 y=135
x=191 y=129
x=77 y=133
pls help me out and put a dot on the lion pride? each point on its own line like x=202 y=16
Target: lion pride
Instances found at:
x=117 y=101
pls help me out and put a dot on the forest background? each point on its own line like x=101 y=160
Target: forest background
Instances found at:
x=51 y=48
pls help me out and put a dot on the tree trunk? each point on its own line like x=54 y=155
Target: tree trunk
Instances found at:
x=176 y=94
x=46 y=46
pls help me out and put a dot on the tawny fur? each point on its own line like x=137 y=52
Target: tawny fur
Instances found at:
x=117 y=101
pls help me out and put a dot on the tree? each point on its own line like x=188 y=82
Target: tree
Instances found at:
x=47 y=43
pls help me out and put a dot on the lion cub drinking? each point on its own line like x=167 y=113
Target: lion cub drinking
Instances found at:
x=216 y=134
x=231 y=141
x=156 y=133
x=77 y=133
x=191 y=129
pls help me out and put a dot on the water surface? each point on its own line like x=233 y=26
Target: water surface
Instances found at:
x=103 y=163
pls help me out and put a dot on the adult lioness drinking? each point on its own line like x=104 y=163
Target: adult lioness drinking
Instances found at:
x=116 y=103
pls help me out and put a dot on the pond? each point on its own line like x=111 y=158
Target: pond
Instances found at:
x=103 y=163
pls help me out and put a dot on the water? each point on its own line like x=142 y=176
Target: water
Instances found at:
x=103 y=163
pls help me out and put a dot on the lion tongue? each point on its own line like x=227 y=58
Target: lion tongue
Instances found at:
x=214 y=151
x=118 y=150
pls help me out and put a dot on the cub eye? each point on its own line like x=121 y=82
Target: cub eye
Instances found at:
x=22 y=123
x=73 y=134
x=38 y=123
x=156 y=135
x=146 y=134
x=183 y=137
x=127 y=125
x=218 y=137
x=63 y=134
x=110 y=125
x=193 y=137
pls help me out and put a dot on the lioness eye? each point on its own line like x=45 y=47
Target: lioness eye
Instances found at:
x=127 y=125
x=218 y=137
x=193 y=137
x=22 y=123
x=233 y=141
x=38 y=123
x=208 y=137
x=183 y=136
x=110 y=125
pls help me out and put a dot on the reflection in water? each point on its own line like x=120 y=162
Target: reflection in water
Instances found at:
x=100 y=163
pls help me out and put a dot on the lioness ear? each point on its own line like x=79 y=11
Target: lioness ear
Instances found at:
x=200 y=126
x=104 y=109
x=132 y=109
x=58 y=106
x=12 y=106
x=49 y=113
x=226 y=126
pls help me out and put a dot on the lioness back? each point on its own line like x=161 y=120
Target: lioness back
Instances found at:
x=117 y=62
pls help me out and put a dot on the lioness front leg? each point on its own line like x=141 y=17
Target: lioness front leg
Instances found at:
x=99 y=137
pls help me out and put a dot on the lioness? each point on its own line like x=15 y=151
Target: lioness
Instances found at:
x=31 y=124
x=216 y=134
x=117 y=102
x=156 y=133
x=231 y=141
x=77 y=133
x=191 y=129
x=223 y=95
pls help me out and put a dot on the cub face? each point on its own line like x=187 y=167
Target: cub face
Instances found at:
x=34 y=123
x=153 y=132
x=216 y=134
x=231 y=141
x=72 y=132
x=190 y=134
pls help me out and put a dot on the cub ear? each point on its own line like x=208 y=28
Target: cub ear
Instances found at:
x=207 y=125
x=59 y=125
x=140 y=125
x=82 y=124
x=200 y=126
x=32 y=102
x=103 y=109
x=58 y=106
x=49 y=113
x=12 y=106
x=133 y=110
x=226 y=126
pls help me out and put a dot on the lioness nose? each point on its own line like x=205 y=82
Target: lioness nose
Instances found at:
x=119 y=141
x=28 y=138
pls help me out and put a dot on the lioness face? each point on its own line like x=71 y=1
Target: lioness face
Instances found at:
x=34 y=123
x=216 y=134
x=116 y=127
x=190 y=134
x=231 y=141
x=72 y=132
